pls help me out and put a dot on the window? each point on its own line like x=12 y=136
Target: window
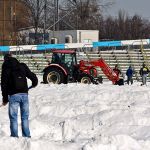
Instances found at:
x=68 y=39
x=54 y=40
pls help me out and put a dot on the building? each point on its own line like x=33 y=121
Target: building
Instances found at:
x=73 y=36
x=27 y=35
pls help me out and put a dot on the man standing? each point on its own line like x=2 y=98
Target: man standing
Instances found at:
x=15 y=91
x=129 y=74
x=118 y=73
x=144 y=72
x=117 y=70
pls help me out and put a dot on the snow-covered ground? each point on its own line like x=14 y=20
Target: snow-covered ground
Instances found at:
x=84 y=117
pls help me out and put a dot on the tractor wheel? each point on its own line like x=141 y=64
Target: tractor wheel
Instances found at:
x=85 y=79
x=53 y=75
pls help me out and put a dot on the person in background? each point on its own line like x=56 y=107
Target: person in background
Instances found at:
x=14 y=89
x=144 y=73
x=117 y=70
x=129 y=74
x=120 y=80
x=56 y=58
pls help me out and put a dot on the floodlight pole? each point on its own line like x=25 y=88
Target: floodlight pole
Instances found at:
x=57 y=14
x=45 y=19
x=57 y=19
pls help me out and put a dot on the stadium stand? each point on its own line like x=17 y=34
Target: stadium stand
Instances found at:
x=123 y=54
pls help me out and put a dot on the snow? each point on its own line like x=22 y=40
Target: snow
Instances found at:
x=83 y=117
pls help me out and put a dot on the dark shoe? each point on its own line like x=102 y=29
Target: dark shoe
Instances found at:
x=27 y=136
x=14 y=136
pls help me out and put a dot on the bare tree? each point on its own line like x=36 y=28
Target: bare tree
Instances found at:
x=85 y=14
x=36 y=14
x=125 y=27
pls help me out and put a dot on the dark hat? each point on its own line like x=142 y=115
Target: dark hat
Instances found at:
x=116 y=65
x=7 y=56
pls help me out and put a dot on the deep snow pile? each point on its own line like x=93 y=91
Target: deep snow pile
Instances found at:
x=84 y=117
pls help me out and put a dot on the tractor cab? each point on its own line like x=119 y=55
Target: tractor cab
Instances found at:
x=66 y=59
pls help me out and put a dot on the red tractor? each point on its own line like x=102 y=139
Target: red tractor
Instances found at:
x=64 y=68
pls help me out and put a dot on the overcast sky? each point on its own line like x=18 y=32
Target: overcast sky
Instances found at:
x=132 y=7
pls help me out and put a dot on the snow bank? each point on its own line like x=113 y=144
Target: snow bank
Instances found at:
x=84 y=117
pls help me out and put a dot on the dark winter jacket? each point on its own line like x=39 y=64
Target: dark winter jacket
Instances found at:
x=7 y=86
x=129 y=72
x=144 y=71
x=117 y=71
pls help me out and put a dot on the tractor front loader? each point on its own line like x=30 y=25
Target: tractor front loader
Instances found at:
x=110 y=74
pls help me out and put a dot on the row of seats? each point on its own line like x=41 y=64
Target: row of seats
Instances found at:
x=124 y=58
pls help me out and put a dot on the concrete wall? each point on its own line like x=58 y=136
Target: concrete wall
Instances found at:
x=87 y=36
x=60 y=35
x=78 y=36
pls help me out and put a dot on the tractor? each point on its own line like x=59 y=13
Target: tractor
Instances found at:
x=64 y=68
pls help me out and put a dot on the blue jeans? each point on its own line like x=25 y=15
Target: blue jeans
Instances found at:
x=144 y=79
x=16 y=101
x=129 y=80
